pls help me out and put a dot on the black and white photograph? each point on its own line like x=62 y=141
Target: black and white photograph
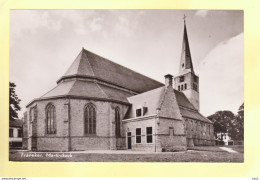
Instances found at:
x=126 y=86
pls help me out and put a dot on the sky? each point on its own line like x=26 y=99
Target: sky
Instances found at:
x=44 y=43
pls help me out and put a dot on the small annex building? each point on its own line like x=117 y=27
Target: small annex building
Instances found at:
x=15 y=133
x=98 y=104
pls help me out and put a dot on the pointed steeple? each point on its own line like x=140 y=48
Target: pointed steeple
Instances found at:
x=186 y=61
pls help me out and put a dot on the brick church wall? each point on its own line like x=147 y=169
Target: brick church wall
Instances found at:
x=199 y=133
x=105 y=126
x=172 y=135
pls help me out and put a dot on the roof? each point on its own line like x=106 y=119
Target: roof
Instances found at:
x=188 y=113
x=88 y=89
x=16 y=123
x=161 y=100
x=145 y=99
x=183 y=100
x=186 y=61
x=90 y=65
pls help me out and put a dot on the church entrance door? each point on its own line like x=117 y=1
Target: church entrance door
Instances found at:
x=129 y=140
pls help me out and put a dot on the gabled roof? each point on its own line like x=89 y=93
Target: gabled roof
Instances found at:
x=188 y=113
x=90 y=65
x=183 y=100
x=16 y=123
x=150 y=99
x=171 y=102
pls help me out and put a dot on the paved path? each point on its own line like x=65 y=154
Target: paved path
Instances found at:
x=228 y=149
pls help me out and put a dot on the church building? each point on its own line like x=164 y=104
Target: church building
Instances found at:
x=100 y=105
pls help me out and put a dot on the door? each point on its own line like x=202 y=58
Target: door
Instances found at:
x=129 y=140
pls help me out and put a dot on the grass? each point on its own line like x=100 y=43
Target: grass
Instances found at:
x=202 y=154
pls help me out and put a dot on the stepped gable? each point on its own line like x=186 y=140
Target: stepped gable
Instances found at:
x=90 y=65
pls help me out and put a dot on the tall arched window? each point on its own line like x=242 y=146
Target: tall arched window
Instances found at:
x=117 y=120
x=51 y=123
x=90 y=119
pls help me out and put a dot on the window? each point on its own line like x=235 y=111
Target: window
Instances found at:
x=182 y=64
x=171 y=131
x=182 y=87
x=51 y=124
x=138 y=112
x=179 y=88
x=195 y=87
x=20 y=133
x=195 y=78
x=117 y=120
x=149 y=135
x=11 y=133
x=31 y=115
x=185 y=86
x=90 y=119
x=182 y=78
x=138 y=135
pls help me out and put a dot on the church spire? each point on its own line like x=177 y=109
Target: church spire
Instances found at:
x=186 y=61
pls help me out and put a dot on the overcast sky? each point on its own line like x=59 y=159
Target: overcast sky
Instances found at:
x=44 y=43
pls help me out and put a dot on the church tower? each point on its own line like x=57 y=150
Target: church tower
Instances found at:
x=187 y=81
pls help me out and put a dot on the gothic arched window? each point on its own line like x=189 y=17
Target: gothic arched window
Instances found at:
x=50 y=118
x=90 y=119
x=117 y=120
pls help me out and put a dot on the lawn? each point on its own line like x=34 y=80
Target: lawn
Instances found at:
x=238 y=148
x=210 y=154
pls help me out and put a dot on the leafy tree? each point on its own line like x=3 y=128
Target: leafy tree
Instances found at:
x=223 y=122
x=227 y=122
x=239 y=132
x=14 y=102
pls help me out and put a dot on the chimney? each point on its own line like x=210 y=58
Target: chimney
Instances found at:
x=168 y=80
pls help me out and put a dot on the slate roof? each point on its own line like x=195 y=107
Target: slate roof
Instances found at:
x=16 y=123
x=186 y=108
x=186 y=61
x=183 y=100
x=80 y=80
x=88 y=89
x=88 y=64
x=151 y=99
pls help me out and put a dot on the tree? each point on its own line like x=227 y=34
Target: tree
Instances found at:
x=239 y=124
x=14 y=102
x=223 y=122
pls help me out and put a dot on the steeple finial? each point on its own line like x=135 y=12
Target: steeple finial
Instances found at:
x=184 y=18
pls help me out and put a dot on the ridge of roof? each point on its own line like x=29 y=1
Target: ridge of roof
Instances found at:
x=80 y=65
x=90 y=65
x=101 y=90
